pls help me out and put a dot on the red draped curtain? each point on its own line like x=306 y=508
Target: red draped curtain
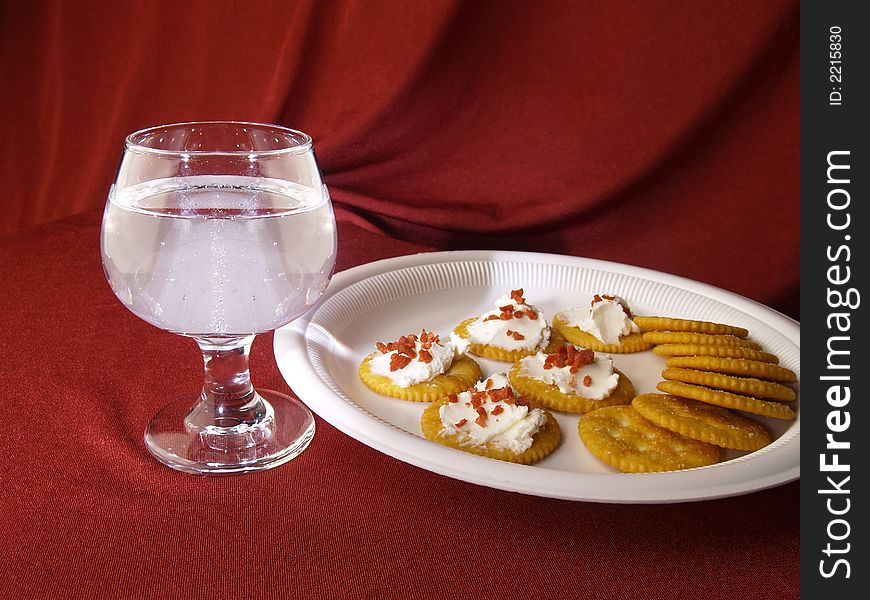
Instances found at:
x=659 y=133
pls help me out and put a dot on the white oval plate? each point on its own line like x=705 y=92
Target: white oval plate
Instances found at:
x=318 y=355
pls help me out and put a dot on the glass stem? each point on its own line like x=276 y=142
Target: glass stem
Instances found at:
x=228 y=398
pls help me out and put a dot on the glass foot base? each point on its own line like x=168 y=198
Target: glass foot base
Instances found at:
x=190 y=441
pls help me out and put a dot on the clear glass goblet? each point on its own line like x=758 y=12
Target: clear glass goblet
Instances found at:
x=219 y=231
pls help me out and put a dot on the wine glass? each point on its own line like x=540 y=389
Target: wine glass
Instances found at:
x=219 y=231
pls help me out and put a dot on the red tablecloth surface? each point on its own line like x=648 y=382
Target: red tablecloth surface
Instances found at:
x=86 y=512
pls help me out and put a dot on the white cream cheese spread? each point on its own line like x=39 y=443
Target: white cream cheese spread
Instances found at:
x=492 y=413
x=512 y=325
x=594 y=381
x=608 y=319
x=413 y=360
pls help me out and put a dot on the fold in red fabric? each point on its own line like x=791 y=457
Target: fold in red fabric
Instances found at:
x=663 y=134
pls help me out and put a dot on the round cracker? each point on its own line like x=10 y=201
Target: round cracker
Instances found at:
x=747 y=386
x=463 y=373
x=501 y=354
x=688 y=337
x=734 y=366
x=550 y=396
x=672 y=324
x=702 y=421
x=622 y=438
x=632 y=342
x=748 y=404
x=715 y=350
x=544 y=441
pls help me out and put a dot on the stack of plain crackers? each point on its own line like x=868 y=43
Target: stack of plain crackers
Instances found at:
x=712 y=370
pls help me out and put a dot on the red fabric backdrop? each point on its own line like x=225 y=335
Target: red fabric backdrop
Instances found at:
x=663 y=134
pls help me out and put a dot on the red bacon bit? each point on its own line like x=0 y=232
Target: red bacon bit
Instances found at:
x=587 y=381
x=506 y=313
x=427 y=337
x=498 y=410
x=481 y=417
x=479 y=397
x=404 y=345
x=523 y=401
x=602 y=297
x=526 y=313
x=500 y=394
x=399 y=361
x=515 y=334
x=569 y=356
x=583 y=357
x=488 y=384
x=452 y=398
x=461 y=423
x=426 y=340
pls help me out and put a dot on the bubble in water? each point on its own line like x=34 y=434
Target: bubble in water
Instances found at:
x=274 y=243
x=162 y=243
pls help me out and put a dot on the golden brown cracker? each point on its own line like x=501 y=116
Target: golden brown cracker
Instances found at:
x=747 y=386
x=622 y=438
x=545 y=440
x=702 y=421
x=632 y=342
x=748 y=404
x=461 y=375
x=715 y=350
x=673 y=324
x=550 y=396
x=734 y=366
x=688 y=337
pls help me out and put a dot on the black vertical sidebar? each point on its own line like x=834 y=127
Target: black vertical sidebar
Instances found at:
x=835 y=300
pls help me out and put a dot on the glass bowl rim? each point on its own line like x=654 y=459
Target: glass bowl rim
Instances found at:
x=132 y=145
